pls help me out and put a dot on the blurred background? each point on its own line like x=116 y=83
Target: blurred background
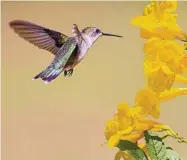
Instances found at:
x=66 y=118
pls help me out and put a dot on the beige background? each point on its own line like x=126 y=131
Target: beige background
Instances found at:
x=65 y=119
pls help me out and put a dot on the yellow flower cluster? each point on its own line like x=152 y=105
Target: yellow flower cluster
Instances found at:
x=165 y=63
x=158 y=20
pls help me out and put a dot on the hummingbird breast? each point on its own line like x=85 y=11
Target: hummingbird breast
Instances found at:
x=83 y=47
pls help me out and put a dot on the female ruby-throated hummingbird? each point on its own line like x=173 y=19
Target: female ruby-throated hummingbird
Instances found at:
x=68 y=51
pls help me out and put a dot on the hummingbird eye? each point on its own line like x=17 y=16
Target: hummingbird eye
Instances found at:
x=97 y=31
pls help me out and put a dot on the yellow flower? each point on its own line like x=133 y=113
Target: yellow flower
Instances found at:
x=174 y=92
x=183 y=63
x=167 y=51
x=180 y=79
x=149 y=101
x=158 y=21
x=164 y=61
x=152 y=47
x=159 y=76
x=128 y=124
x=160 y=6
x=170 y=51
x=111 y=128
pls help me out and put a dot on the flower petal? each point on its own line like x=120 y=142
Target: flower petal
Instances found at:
x=114 y=140
x=111 y=128
x=173 y=93
x=180 y=79
x=158 y=127
x=126 y=131
x=137 y=21
x=123 y=108
x=155 y=112
x=183 y=60
x=144 y=124
x=146 y=99
x=160 y=78
x=158 y=20
x=133 y=137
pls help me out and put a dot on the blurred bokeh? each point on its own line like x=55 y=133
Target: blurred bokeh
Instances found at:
x=65 y=119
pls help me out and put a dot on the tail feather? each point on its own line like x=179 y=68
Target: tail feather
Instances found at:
x=49 y=74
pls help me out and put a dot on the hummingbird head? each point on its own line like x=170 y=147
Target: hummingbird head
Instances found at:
x=93 y=33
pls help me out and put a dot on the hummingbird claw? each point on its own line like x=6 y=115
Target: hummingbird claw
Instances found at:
x=68 y=73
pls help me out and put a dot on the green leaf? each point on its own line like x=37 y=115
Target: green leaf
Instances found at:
x=155 y=147
x=157 y=150
x=171 y=154
x=132 y=149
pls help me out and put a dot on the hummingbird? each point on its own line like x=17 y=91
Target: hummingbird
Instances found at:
x=68 y=51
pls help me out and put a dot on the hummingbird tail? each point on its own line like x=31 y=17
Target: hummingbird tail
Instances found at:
x=49 y=74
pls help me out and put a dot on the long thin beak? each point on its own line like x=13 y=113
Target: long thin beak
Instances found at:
x=108 y=34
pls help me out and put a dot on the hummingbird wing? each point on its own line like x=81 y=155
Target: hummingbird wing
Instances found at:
x=41 y=37
x=62 y=57
x=76 y=33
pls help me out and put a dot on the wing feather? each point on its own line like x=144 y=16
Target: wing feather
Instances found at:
x=41 y=37
x=64 y=54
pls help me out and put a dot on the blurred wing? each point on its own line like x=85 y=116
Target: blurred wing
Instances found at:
x=43 y=38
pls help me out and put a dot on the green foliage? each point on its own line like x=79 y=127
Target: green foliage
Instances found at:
x=132 y=149
x=155 y=147
x=157 y=150
x=171 y=154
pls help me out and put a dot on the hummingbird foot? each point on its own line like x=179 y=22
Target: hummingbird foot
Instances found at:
x=68 y=73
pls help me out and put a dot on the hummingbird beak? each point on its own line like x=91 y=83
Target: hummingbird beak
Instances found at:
x=108 y=34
